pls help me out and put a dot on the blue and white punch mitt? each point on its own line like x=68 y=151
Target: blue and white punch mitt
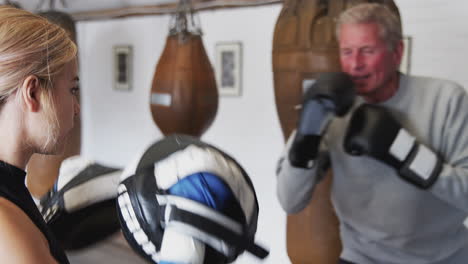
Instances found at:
x=80 y=208
x=186 y=202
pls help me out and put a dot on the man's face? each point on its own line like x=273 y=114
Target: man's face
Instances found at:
x=368 y=60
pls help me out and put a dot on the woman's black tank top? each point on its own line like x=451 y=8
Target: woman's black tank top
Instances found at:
x=13 y=188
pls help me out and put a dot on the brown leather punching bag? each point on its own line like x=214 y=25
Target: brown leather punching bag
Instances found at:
x=43 y=170
x=184 y=97
x=304 y=45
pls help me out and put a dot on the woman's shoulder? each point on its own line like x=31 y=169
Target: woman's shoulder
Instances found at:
x=11 y=214
x=21 y=241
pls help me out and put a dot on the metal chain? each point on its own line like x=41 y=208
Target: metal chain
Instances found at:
x=184 y=20
x=51 y=4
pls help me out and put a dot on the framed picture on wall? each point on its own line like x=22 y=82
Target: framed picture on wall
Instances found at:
x=123 y=56
x=228 y=68
x=406 y=59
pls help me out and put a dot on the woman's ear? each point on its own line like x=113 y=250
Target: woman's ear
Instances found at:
x=30 y=91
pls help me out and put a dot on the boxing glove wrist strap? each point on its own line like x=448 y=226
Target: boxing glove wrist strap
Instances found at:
x=304 y=151
x=419 y=165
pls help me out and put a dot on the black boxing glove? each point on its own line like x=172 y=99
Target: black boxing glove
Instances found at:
x=332 y=94
x=373 y=131
x=80 y=208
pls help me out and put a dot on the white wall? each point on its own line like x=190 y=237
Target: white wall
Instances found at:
x=440 y=37
x=118 y=124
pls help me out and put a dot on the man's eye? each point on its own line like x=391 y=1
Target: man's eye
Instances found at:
x=368 y=51
x=345 y=52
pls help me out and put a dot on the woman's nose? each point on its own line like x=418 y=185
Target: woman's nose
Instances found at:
x=76 y=107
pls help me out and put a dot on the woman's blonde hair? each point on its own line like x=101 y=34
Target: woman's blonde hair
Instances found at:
x=31 y=45
x=389 y=23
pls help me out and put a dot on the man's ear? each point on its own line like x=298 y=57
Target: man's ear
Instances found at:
x=30 y=91
x=398 y=52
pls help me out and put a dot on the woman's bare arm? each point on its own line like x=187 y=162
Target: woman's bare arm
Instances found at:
x=21 y=242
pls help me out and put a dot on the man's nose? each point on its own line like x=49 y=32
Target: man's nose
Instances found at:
x=357 y=62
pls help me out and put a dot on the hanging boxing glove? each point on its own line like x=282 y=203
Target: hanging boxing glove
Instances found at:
x=332 y=94
x=373 y=131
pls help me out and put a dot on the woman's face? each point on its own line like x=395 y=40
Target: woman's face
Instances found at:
x=65 y=92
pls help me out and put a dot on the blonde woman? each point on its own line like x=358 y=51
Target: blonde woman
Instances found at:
x=38 y=88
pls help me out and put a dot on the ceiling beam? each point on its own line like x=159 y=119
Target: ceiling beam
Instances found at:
x=166 y=9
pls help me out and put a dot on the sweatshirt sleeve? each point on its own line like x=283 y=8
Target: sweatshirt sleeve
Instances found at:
x=452 y=184
x=296 y=185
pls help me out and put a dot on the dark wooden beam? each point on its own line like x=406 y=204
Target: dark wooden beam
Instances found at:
x=167 y=9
